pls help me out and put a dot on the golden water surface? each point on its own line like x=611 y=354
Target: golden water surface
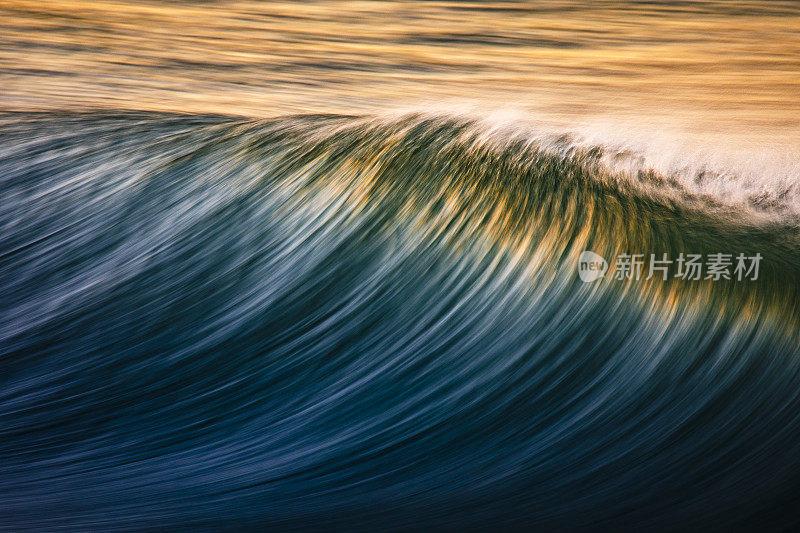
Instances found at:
x=729 y=68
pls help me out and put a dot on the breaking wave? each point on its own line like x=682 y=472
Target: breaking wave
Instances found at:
x=330 y=322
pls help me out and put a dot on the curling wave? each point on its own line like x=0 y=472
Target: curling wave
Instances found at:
x=327 y=321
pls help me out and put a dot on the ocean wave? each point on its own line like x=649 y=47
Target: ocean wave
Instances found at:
x=333 y=321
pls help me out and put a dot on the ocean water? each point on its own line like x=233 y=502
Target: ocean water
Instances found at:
x=719 y=68
x=315 y=266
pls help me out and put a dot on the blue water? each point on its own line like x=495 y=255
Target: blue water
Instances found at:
x=344 y=323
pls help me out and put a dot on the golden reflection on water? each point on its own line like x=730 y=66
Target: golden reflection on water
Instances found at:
x=730 y=68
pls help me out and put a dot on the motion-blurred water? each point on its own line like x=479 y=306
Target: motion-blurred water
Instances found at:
x=329 y=321
x=711 y=68
x=370 y=318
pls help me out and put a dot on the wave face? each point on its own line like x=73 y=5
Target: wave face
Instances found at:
x=342 y=322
